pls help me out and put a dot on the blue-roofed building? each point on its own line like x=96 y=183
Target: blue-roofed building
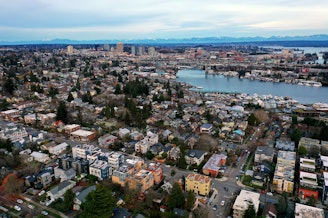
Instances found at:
x=206 y=128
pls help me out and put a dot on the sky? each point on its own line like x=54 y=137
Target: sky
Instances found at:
x=23 y=20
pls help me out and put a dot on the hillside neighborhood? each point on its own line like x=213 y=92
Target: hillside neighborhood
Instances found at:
x=108 y=131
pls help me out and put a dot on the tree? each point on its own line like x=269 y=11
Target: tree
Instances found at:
x=311 y=201
x=302 y=150
x=69 y=199
x=324 y=133
x=191 y=199
x=294 y=119
x=176 y=198
x=296 y=136
x=282 y=206
x=250 y=212
x=118 y=89
x=62 y=112
x=200 y=212
x=9 y=86
x=314 y=151
x=70 y=97
x=252 y=120
x=12 y=184
x=99 y=203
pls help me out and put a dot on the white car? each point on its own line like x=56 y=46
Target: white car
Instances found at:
x=41 y=192
x=20 y=201
x=222 y=203
x=30 y=206
x=16 y=207
x=44 y=212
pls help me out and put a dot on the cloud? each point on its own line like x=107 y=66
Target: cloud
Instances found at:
x=159 y=18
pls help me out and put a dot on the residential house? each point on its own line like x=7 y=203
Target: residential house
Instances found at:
x=213 y=165
x=242 y=202
x=122 y=132
x=157 y=171
x=206 y=128
x=258 y=179
x=174 y=153
x=40 y=157
x=194 y=156
x=64 y=175
x=55 y=149
x=144 y=145
x=59 y=190
x=81 y=197
x=285 y=145
x=107 y=140
x=199 y=184
x=264 y=153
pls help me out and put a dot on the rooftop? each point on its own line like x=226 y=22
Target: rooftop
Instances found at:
x=198 y=178
x=214 y=162
x=305 y=211
x=82 y=133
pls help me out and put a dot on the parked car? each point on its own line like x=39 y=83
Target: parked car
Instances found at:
x=215 y=207
x=20 y=201
x=41 y=192
x=269 y=193
x=44 y=213
x=222 y=203
x=30 y=206
x=16 y=207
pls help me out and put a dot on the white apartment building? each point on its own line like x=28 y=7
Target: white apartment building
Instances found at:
x=242 y=202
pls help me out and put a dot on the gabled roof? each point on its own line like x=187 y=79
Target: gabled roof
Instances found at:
x=195 y=153
x=83 y=194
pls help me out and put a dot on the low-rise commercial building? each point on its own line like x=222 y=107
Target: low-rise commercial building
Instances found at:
x=212 y=166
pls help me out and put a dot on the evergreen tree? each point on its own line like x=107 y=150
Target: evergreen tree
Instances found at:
x=176 y=198
x=118 y=89
x=250 y=212
x=296 y=136
x=252 y=120
x=62 y=112
x=69 y=199
x=99 y=204
x=191 y=199
x=9 y=86
x=311 y=201
x=324 y=133
x=70 y=97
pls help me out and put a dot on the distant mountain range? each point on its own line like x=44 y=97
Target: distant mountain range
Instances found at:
x=312 y=40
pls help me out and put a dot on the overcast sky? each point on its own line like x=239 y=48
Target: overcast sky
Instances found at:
x=139 y=19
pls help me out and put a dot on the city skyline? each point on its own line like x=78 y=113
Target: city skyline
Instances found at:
x=152 y=19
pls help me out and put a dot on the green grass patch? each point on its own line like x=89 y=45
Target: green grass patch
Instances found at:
x=247 y=180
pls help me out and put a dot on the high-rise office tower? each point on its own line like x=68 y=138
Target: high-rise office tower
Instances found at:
x=141 y=50
x=119 y=47
x=133 y=50
x=151 y=51
x=69 y=49
x=106 y=47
